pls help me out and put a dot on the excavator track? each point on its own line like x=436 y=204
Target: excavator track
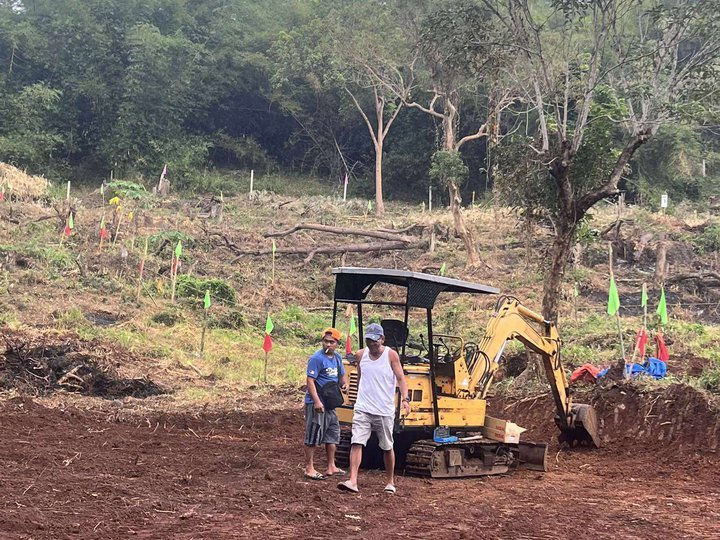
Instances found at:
x=472 y=458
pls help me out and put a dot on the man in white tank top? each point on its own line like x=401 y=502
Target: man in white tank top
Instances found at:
x=379 y=371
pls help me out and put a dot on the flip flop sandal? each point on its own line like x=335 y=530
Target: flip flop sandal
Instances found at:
x=390 y=489
x=316 y=476
x=339 y=472
x=347 y=486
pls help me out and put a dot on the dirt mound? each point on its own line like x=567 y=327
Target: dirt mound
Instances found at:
x=20 y=184
x=43 y=364
x=670 y=421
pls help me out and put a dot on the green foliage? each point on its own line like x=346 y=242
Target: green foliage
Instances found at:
x=671 y=162
x=26 y=138
x=233 y=319
x=448 y=167
x=194 y=288
x=297 y=322
x=127 y=190
x=710 y=378
x=709 y=240
x=167 y=318
x=166 y=241
x=53 y=257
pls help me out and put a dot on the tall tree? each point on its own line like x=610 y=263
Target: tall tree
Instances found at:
x=650 y=59
x=457 y=61
x=357 y=50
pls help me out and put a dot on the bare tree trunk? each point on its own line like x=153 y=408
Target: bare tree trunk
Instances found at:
x=473 y=258
x=560 y=253
x=660 y=261
x=379 y=204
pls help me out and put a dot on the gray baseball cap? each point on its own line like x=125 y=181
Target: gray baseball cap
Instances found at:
x=374 y=331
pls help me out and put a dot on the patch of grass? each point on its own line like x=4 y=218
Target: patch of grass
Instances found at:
x=703 y=340
x=297 y=322
x=710 y=378
x=168 y=318
x=576 y=355
x=194 y=288
x=233 y=319
x=50 y=256
x=167 y=240
x=70 y=319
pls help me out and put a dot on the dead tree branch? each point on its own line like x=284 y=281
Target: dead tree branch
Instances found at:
x=385 y=235
x=312 y=251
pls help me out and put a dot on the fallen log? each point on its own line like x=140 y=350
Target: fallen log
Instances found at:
x=708 y=279
x=312 y=251
x=385 y=235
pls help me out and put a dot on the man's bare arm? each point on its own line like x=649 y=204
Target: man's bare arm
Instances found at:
x=400 y=376
x=312 y=390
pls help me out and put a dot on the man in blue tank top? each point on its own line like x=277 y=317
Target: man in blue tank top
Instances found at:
x=321 y=425
x=379 y=372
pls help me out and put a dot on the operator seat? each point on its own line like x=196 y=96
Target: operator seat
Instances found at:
x=395 y=333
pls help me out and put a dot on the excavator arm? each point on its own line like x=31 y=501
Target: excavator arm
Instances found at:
x=512 y=320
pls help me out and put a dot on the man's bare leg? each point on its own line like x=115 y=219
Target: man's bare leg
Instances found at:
x=309 y=465
x=389 y=458
x=330 y=452
x=355 y=459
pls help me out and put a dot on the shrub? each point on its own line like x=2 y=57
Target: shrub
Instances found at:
x=194 y=288
x=128 y=190
x=161 y=240
x=709 y=240
x=710 y=378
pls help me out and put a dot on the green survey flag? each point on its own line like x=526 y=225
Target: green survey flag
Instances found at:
x=353 y=328
x=178 y=249
x=369 y=208
x=269 y=325
x=71 y=221
x=102 y=189
x=442 y=269
x=613 y=298
x=662 y=307
x=206 y=303
x=643 y=297
x=576 y=291
x=274 y=248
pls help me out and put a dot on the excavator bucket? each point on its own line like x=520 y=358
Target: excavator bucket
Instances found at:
x=584 y=427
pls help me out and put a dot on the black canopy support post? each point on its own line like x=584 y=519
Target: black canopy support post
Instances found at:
x=407 y=329
x=334 y=320
x=360 y=326
x=431 y=354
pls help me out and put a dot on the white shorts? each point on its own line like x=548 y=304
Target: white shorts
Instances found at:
x=364 y=424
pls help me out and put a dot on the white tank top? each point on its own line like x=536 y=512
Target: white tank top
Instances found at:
x=376 y=393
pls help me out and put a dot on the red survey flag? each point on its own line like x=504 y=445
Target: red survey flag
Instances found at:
x=267 y=344
x=662 y=352
x=641 y=340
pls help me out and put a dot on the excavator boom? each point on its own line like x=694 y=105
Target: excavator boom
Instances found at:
x=577 y=422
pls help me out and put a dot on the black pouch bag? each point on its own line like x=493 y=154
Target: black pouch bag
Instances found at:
x=330 y=394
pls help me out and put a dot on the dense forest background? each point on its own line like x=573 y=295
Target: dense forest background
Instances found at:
x=93 y=86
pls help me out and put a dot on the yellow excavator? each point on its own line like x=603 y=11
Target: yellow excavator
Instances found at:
x=446 y=433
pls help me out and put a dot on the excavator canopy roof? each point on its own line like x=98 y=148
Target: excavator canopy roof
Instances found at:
x=353 y=285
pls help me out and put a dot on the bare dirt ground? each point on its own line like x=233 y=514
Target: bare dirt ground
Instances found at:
x=112 y=473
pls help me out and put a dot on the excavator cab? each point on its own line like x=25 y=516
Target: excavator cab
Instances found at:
x=448 y=376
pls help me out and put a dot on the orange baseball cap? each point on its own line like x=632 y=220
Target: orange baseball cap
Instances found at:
x=334 y=332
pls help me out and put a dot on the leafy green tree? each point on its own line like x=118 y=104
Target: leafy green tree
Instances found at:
x=356 y=50
x=646 y=60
